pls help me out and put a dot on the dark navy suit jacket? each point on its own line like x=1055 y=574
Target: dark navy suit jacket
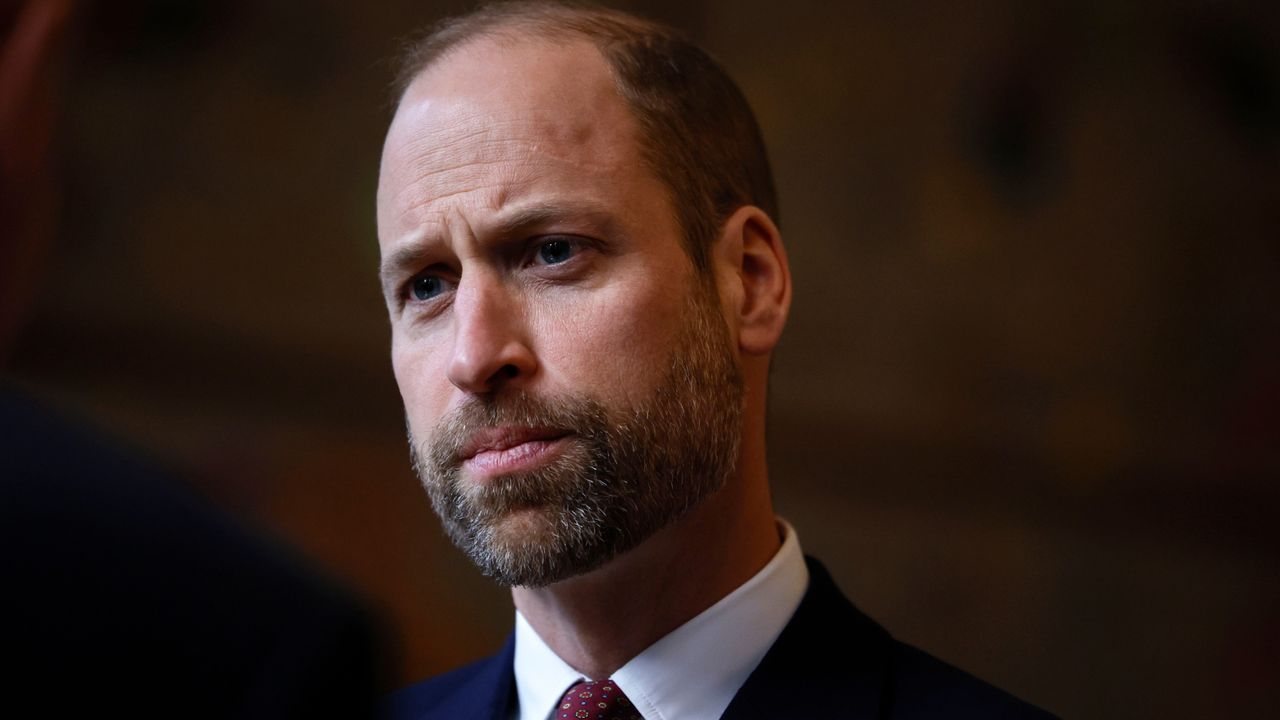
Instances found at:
x=126 y=594
x=830 y=661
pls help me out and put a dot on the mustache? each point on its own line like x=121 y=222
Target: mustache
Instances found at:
x=438 y=461
x=578 y=415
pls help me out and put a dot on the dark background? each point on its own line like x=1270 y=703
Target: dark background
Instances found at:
x=1028 y=405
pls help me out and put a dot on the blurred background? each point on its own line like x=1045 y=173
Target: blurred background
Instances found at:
x=1027 y=408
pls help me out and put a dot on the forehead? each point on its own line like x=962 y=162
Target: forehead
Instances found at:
x=498 y=122
x=524 y=70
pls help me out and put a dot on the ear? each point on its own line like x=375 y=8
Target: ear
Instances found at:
x=755 y=282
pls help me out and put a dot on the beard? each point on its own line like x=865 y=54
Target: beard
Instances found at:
x=620 y=477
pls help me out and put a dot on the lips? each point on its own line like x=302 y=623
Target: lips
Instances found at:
x=508 y=449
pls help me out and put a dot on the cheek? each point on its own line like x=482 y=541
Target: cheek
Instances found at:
x=419 y=375
x=616 y=347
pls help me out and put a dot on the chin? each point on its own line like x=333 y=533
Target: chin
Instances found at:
x=527 y=549
x=524 y=528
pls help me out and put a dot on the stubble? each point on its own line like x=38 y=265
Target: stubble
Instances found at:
x=621 y=476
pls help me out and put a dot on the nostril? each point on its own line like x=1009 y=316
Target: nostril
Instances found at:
x=509 y=370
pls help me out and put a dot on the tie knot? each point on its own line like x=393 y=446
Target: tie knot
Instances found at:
x=598 y=700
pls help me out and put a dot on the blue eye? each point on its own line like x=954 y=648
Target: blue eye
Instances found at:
x=425 y=287
x=554 y=252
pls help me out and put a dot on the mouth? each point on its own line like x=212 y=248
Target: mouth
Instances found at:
x=502 y=450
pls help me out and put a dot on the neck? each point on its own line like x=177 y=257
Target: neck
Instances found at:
x=598 y=621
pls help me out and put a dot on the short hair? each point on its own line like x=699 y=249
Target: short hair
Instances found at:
x=697 y=132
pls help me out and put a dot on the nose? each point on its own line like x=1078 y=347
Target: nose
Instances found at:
x=491 y=349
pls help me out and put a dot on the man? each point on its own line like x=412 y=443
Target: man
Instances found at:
x=585 y=282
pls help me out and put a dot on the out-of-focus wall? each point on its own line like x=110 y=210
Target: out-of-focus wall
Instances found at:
x=1028 y=405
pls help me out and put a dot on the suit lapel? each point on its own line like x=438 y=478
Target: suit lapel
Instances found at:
x=484 y=696
x=829 y=662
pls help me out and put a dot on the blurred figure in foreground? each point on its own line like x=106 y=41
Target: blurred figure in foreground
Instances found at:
x=125 y=591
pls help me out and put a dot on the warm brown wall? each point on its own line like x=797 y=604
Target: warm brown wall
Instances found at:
x=1028 y=405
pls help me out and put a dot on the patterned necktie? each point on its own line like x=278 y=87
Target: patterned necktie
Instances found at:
x=599 y=700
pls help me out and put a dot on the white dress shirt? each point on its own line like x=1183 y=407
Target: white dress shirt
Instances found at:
x=695 y=670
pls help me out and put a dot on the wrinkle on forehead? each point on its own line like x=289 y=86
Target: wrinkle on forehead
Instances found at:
x=483 y=167
x=489 y=122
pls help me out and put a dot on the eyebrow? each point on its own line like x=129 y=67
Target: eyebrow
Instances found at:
x=393 y=266
x=519 y=222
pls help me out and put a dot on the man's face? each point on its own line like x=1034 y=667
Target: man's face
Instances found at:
x=570 y=384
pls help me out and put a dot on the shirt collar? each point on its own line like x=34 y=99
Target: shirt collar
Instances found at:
x=542 y=678
x=719 y=648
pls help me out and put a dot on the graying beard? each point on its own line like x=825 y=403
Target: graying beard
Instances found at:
x=579 y=541
x=637 y=477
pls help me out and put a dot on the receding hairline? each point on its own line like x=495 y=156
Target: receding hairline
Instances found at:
x=503 y=41
x=696 y=130
x=511 y=23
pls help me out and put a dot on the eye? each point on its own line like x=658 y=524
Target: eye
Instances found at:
x=556 y=250
x=425 y=287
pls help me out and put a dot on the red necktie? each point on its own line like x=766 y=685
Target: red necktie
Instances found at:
x=599 y=700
